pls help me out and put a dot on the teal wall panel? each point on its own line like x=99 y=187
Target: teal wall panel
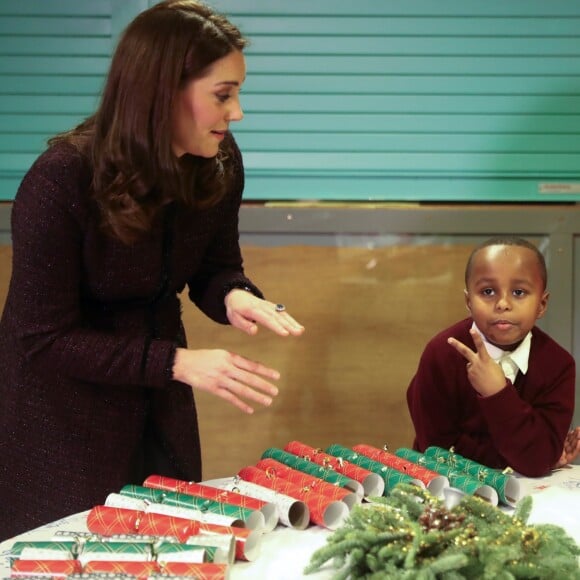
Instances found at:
x=350 y=101
x=54 y=55
x=411 y=101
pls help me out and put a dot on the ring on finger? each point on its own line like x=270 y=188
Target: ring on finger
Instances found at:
x=280 y=307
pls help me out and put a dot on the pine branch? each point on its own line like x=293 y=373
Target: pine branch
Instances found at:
x=411 y=535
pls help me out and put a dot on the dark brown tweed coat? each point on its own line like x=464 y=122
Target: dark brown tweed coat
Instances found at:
x=87 y=340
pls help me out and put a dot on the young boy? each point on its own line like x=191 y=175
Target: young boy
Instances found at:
x=495 y=387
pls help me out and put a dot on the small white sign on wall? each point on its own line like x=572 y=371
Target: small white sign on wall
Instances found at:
x=559 y=187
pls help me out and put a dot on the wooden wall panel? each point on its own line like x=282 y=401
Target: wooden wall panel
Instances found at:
x=368 y=314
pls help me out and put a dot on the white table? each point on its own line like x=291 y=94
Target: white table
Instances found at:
x=286 y=552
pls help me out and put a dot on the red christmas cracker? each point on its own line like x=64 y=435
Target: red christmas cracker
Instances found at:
x=138 y=569
x=109 y=521
x=205 y=571
x=45 y=568
x=398 y=463
x=317 y=456
x=64 y=568
x=205 y=491
x=304 y=480
x=269 y=510
x=324 y=511
x=247 y=541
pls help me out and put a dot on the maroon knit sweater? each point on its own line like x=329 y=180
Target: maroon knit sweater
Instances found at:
x=522 y=426
x=87 y=341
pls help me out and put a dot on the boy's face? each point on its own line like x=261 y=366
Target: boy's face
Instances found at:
x=505 y=293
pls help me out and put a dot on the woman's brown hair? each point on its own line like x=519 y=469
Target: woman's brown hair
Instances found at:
x=128 y=140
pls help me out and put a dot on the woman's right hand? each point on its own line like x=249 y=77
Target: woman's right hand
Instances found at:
x=227 y=375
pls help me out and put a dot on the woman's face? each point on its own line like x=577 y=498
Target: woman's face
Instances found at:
x=205 y=107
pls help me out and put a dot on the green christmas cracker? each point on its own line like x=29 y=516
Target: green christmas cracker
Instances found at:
x=390 y=476
x=186 y=501
x=506 y=485
x=457 y=478
x=300 y=464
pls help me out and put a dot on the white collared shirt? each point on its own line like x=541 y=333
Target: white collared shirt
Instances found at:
x=510 y=362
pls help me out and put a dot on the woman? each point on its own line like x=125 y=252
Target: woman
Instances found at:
x=109 y=225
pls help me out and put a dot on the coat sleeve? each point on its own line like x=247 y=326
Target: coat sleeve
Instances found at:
x=530 y=434
x=44 y=297
x=222 y=265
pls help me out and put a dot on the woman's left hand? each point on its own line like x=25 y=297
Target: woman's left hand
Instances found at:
x=246 y=312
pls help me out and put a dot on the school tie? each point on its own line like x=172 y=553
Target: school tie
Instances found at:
x=509 y=367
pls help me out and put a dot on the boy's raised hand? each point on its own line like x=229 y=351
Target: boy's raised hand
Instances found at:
x=571 y=448
x=484 y=374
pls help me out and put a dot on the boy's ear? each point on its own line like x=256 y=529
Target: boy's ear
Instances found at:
x=467 y=300
x=543 y=304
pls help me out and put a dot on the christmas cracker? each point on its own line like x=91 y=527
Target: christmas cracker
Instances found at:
x=120 y=567
x=325 y=473
x=253 y=519
x=507 y=486
x=268 y=509
x=110 y=521
x=43 y=550
x=121 y=551
x=372 y=484
x=308 y=481
x=142 y=504
x=218 y=548
x=46 y=568
x=190 y=553
x=207 y=571
x=67 y=569
x=102 y=576
x=435 y=482
x=457 y=478
x=247 y=542
x=390 y=476
x=324 y=512
x=292 y=513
